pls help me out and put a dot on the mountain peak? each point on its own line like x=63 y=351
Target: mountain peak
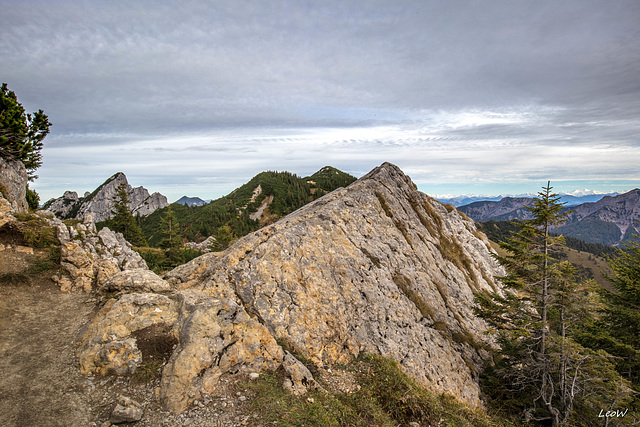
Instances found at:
x=101 y=201
x=388 y=172
x=190 y=201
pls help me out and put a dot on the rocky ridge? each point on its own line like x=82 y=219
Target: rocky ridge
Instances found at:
x=376 y=267
x=101 y=202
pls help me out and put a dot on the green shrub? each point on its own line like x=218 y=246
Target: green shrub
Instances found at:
x=33 y=199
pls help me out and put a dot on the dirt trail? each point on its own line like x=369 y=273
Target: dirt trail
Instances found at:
x=39 y=384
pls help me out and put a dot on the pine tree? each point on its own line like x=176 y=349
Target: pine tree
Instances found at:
x=123 y=220
x=540 y=366
x=21 y=134
x=172 y=243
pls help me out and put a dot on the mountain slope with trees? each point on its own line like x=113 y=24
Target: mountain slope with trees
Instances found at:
x=612 y=220
x=271 y=194
x=543 y=368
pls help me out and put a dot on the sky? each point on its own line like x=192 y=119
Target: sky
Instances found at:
x=196 y=97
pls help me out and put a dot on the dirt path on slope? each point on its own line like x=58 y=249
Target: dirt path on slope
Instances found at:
x=39 y=384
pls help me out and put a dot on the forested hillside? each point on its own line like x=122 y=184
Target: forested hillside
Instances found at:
x=267 y=197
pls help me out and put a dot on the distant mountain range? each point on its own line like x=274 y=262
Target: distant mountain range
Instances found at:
x=191 y=201
x=611 y=220
x=577 y=198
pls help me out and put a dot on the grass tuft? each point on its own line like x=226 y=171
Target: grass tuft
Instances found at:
x=385 y=397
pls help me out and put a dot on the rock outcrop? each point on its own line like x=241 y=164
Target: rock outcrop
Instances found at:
x=204 y=246
x=13 y=184
x=101 y=202
x=376 y=267
x=6 y=211
x=90 y=259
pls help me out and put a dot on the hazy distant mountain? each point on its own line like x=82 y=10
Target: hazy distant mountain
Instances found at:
x=505 y=209
x=572 y=199
x=610 y=220
x=191 y=201
x=466 y=200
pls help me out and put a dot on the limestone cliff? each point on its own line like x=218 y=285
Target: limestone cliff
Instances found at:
x=376 y=267
x=101 y=201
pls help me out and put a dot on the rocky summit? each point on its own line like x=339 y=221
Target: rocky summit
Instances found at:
x=376 y=267
x=100 y=203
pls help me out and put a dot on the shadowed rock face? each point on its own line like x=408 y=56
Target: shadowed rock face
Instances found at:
x=376 y=267
x=13 y=184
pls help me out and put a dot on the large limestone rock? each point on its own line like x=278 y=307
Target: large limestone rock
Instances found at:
x=13 y=184
x=215 y=336
x=377 y=267
x=108 y=345
x=101 y=202
x=136 y=280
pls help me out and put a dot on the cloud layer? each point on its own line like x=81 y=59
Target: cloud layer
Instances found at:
x=195 y=97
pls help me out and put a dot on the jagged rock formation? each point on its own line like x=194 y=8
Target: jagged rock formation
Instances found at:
x=101 y=202
x=376 y=267
x=204 y=246
x=90 y=258
x=13 y=184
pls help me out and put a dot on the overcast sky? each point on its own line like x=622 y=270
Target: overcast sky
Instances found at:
x=196 y=97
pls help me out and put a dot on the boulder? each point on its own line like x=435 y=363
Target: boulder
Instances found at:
x=216 y=336
x=190 y=274
x=108 y=346
x=377 y=267
x=299 y=378
x=126 y=411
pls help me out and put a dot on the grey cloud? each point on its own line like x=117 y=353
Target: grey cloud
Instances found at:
x=348 y=83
